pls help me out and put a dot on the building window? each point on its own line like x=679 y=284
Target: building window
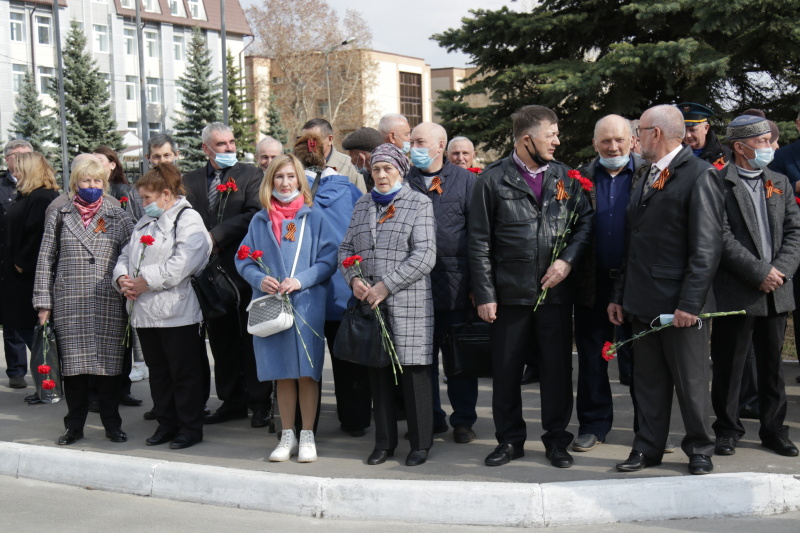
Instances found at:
x=130 y=88
x=46 y=77
x=177 y=47
x=106 y=77
x=322 y=108
x=43 y=29
x=133 y=126
x=151 y=84
x=173 y=7
x=17 y=26
x=152 y=6
x=151 y=43
x=127 y=4
x=154 y=127
x=130 y=41
x=411 y=97
x=194 y=8
x=100 y=38
x=18 y=73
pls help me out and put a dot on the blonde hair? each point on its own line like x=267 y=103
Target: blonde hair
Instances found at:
x=265 y=192
x=33 y=172
x=89 y=167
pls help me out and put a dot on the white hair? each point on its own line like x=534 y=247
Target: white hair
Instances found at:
x=389 y=121
x=459 y=139
x=212 y=128
x=268 y=140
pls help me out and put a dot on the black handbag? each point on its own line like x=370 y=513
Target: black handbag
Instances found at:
x=466 y=350
x=359 y=337
x=215 y=290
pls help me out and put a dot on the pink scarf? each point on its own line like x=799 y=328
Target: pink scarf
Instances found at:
x=279 y=212
x=87 y=211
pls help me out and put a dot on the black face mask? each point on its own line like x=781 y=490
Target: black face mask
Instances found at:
x=535 y=157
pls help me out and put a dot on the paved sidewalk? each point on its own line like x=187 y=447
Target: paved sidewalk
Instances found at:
x=229 y=467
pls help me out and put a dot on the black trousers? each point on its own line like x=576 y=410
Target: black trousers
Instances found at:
x=235 y=374
x=515 y=330
x=178 y=365
x=76 y=392
x=351 y=387
x=418 y=398
x=672 y=359
x=730 y=341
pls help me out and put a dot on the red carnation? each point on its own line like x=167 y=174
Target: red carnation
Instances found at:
x=44 y=369
x=796 y=199
x=586 y=183
x=475 y=170
x=231 y=186
x=609 y=352
x=48 y=384
x=352 y=260
x=243 y=253
x=574 y=174
x=147 y=240
x=256 y=254
x=222 y=187
x=123 y=200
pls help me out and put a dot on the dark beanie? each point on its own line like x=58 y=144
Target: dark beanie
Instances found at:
x=366 y=139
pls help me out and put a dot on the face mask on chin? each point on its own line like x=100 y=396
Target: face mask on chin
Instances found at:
x=535 y=157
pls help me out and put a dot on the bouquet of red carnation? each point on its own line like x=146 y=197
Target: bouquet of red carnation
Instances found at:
x=225 y=190
x=44 y=358
x=561 y=239
x=123 y=202
x=145 y=241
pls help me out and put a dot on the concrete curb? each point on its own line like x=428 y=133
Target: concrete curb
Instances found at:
x=444 y=502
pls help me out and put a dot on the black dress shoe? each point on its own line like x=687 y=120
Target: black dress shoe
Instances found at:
x=130 y=400
x=529 y=376
x=94 y=406
x=225 y=413
x=416 y=457
x=150 y=415
x=30 y=397
x=463 y=434
x=635 y=462
x=379 y=456
x=116 y=435
x=206 y=410
x=260 y=418
x=503 y=454
x=161 y=436
x=559 y=457
x=700 y=464
x=781 y=445
x=725 y=446
x=70 y=436
x=183 y=441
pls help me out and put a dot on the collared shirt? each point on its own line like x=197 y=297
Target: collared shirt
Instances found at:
x=611 y=203
x=532 y=177
x=667 y=159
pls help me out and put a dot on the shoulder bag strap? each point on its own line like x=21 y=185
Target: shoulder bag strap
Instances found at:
x=315 y=186
x=299 y=244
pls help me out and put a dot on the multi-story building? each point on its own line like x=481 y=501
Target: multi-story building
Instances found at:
x=27 y=41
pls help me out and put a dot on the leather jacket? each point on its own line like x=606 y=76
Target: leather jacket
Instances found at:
x=511 y=236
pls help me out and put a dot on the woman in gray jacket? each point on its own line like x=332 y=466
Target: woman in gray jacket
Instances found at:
x=154 y=273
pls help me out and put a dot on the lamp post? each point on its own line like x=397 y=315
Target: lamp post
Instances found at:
x=328 y=73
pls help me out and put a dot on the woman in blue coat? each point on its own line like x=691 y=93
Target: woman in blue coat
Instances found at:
x=286 y=222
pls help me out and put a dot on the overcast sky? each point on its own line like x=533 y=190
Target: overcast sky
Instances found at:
x=405 y=26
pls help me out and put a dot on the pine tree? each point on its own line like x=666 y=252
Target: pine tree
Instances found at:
x=240 y=118
x=588 y=58
x=275 y=128
x=200 y=102
x=87 y=102
x=30 y=120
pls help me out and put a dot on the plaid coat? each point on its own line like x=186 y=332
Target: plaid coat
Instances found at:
x=401 y=252
x=88 y=314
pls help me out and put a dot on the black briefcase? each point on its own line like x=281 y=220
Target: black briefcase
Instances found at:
x=466 y=350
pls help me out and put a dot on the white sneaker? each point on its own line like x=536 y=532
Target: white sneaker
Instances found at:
x=308 y=448
x=286 y=448
x=139 y=371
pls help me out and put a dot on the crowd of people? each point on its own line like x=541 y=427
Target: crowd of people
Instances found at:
x=665 y=224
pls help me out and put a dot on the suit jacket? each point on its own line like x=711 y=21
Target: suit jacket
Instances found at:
x=238 y=209
x=787 y=162
x=674 y=241
x=341 y=163
x=743 y=266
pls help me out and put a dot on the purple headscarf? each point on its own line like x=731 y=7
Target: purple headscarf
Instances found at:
x=392 y=155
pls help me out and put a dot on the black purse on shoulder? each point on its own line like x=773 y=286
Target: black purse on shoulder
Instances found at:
x=466 y=350
x=359 y=337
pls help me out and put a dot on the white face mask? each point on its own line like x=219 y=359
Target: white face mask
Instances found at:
x=285 y=198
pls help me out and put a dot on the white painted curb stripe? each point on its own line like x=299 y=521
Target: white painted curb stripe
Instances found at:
x=446 y=502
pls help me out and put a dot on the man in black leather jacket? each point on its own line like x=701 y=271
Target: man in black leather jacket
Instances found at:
x=674 y=246
x=519 y=207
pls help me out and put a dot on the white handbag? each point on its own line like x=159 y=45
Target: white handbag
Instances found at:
x=271 y=314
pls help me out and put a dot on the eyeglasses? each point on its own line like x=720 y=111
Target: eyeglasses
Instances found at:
x=639 y=130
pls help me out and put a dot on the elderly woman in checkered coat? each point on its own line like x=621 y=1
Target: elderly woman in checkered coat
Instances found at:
x=72 y=290
x=392 y=229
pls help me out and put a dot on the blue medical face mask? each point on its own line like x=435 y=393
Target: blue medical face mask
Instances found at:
x=613 y=163
x=90 y=195
x=406 y=147
x=421 y=158
x=285 y=198
x=225 y=159
x=763 y=157
x=153 y=210
x=396 y=187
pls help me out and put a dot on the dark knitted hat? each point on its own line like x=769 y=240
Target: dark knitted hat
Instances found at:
x=747 y=126
x=391 y=154
x=366 y=139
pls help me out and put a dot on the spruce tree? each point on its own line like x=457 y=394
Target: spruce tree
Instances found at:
x=275 y=128
x=30 y=120
x=87 y=102
x=240 y=118
x=200 y=102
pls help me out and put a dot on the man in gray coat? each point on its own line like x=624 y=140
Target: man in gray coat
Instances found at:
x=761 y=252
